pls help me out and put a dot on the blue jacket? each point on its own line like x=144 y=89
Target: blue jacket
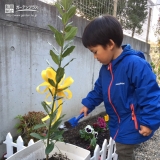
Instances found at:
x=131 y=95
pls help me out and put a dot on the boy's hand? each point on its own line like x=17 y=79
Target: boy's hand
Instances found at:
x=84 y=110
x=145 y=131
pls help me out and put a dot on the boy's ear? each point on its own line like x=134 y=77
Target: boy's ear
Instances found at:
x=111 y=44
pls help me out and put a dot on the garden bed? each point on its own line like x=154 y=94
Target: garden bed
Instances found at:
x=72 y=135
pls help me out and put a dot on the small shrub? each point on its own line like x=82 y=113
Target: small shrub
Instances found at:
x=26 y=124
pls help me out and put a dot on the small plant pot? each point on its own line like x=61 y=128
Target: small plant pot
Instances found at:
x=37 y=152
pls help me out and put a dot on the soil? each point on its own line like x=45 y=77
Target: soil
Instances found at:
x=72 y=135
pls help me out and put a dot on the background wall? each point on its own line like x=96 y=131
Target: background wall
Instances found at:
x=24 y=49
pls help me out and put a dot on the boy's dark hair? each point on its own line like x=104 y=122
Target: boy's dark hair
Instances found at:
x=101 y=30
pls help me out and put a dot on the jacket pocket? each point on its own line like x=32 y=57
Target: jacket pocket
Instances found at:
x=134 y=118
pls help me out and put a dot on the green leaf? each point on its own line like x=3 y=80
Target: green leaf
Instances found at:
x=60 y=90
x=58 y=98
x=53 y=115
x=93 y=142
x=20 y=117
x=68 y=51
x=54 y=30
x=60 y=74
x=56 y=124
x=55 y=58
x=45 y=106
x=65 y=18
x=69 y=62
x=68 y=28
x=39 y=126
x=80 y=131
x=60 y=105
x=35 y=135
x=59 y=9
x=19 y=131
x=71 y=11
x=59 y=38
x=66 y=4
x=57 y=135
x=49 y=148
x=69 y=35
x=51 y=82
x=17 y=125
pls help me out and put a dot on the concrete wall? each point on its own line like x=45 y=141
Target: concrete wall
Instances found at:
x=138 y=45
x=24 y=49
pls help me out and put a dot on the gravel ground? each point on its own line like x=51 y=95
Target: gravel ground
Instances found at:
x=149 y=150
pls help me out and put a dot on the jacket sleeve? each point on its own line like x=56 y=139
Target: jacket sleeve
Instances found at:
x=94 y=97
x=147 y=93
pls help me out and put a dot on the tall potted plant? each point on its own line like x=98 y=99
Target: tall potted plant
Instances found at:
x=57 y=86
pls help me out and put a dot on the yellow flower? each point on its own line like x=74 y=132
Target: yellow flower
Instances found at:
x=62 y=91
x=106 y=117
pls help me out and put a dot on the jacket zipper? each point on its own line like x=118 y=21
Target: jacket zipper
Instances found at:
x=134 y=118
x=109 y=97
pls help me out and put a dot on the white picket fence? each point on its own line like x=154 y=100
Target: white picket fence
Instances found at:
x=99 y=154
x=10 y=144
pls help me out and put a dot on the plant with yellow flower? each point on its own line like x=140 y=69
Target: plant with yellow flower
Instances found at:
x=56 y=86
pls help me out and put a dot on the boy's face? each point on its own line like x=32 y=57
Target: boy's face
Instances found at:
x=103 y=55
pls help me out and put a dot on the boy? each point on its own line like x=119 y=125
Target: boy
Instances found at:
x=126 y=85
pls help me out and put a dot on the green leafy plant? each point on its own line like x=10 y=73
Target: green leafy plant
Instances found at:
x=90 y=133
x=26 y=124
x=54 y=78
x=156 y=70
x=155 y=51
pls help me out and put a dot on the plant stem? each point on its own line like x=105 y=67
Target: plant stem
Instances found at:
x=50 y=121
x=62 y=48
x=56 y=88
x=54 y=96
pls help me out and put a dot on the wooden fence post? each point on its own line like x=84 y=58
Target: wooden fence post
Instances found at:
x=9 y=148
x=96 y=152
x=20 y=143
x=30 y=142
x=104 y=150
x=110 y=149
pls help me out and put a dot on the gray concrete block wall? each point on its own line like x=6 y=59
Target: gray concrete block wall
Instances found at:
x=138 y=45
x=24 y=49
